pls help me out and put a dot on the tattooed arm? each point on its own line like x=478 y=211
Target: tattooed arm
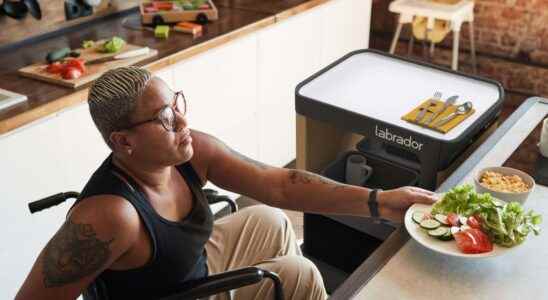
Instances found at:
x=297 y=189
x=96 y=233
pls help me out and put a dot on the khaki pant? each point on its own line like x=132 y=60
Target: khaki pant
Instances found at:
x=262 y=236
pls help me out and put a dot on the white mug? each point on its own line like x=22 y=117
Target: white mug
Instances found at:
x=357 y=170
x=543 y=144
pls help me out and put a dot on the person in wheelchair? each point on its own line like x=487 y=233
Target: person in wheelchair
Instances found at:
x=141 y=223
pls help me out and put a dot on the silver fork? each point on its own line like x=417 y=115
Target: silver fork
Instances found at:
x=422 y=112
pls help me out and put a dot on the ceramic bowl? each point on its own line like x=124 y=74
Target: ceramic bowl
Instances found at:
x=520 y=197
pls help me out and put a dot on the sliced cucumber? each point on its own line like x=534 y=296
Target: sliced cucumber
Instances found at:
x=430 y=224
x=462 y=220
x=57 y=54
x=447 y=236
x=438 y=232
x=441 y=218
x=418 y=216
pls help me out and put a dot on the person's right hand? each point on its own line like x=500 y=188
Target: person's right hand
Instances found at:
x=394 y=203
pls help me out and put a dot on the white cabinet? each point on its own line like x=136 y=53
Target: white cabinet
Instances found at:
x=81 y=146
x=345 y=28
x=27 y=172
x=221 y=90
x=288 y=52
x=166 y=75
x=292 y=50
x=54 y=155
x=220 y=86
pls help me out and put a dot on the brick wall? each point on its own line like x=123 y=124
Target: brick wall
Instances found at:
x=511 y=42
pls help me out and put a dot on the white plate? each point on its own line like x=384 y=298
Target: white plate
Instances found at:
x=445 y=247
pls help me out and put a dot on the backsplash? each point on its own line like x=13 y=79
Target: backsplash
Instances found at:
x=53 y=18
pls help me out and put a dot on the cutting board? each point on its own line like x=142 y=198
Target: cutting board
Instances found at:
x=38 y=70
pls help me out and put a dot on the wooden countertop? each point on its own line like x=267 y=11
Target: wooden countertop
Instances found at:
x=236 y=18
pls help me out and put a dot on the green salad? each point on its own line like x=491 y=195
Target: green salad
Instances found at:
x=506 y=224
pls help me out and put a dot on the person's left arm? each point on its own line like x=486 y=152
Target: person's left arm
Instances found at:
x=298 y=189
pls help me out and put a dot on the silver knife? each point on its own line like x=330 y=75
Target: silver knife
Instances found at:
x=430 y=103
x=127 y=54
x=423 y=110
x=450 y=101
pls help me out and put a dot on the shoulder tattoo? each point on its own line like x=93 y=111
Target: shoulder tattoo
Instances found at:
x=73 y=253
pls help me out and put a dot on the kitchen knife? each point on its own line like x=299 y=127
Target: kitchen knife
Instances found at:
x=423 y=110
x=125 y=55
x=450 y=101
x=429 y=105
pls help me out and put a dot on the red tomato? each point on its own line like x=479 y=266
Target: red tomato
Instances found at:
x=473 y=222
x=71 y=73
x=77 y=63
x=55 y=68
x=473 y=241
x=453 y=219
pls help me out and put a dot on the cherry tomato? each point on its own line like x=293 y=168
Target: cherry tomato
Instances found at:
x=473 y=222
x=453 y=219
x=473 y=241
x=77 y=63
x=55 y=68
x=71 y=73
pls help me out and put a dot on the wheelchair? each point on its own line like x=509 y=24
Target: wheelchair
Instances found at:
x=196 y=289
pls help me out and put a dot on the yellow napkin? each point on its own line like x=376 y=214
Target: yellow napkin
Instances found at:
x=431 y=109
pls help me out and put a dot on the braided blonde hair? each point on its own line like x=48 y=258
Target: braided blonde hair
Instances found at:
x=113 y=97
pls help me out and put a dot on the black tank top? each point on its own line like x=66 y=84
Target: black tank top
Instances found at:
x=178 y=248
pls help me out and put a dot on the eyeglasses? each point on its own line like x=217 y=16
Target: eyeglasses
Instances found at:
x=167 y=115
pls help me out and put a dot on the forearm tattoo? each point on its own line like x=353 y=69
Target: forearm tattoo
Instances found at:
x=303 y=177
x=73 y=253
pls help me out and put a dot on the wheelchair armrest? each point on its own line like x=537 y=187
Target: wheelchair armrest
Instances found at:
x=50 y=201
x=213 y=197
x=221 y=282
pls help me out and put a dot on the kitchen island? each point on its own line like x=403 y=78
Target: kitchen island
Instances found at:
x=403 y=269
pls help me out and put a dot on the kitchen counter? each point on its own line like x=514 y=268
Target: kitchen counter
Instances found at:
x=403 y=269
x=236 y=19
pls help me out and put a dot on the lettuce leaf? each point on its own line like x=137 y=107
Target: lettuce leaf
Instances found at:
x=507 y=224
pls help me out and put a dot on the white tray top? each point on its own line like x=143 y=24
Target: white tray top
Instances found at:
x=384 y=88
